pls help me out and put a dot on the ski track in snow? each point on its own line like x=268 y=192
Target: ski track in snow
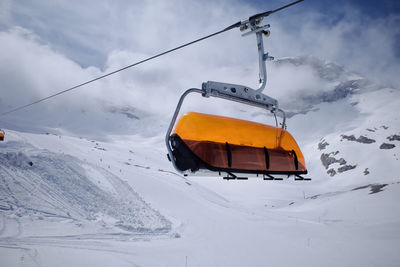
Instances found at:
x=55 y=188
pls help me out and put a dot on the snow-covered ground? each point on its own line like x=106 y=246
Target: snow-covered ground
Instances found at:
x=115 y=200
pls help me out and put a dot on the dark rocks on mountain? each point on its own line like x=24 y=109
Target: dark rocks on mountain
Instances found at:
x=365 y=140
x=349 y=137
x=336 y=94
x=371 y=130
x=361 y=187
x=387 y=146
x=343 y=89
x=331 y=172
x=322 y=145
x=394 y=137
x=375 y=188
x=366 y=172
x=346 y=168
x=328 y=159
x=360 y=139
x=327 y=71
x=384 y=127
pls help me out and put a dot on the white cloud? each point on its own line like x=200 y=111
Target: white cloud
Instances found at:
x=356 y=41
x=47 y=46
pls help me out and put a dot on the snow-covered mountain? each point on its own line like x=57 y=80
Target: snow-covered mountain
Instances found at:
x=110 y=197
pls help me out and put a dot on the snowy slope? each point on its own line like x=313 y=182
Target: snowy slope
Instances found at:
x=44 y=184
x=117 y=201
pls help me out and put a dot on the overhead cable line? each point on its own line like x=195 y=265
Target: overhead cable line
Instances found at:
x=251 y=19
x=118 y=70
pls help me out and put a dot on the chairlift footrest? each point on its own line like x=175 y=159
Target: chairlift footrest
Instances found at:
x=235 y=178
x=231 y=176
x=269 y=177
x=298 y=177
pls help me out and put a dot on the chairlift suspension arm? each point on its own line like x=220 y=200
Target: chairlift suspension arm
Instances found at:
x=261 y=62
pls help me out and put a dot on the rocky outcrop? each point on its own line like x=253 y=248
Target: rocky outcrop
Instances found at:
x=387 y=146
x=374 y=188
x=322 y=144
x=328 y=159
x=394 y=137
x=346 y=168
x=331 y=172
x=360 y=139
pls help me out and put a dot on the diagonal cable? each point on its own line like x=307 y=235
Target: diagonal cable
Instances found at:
x=121 y=69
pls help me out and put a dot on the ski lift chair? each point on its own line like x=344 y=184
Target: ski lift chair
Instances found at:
x=231 y=147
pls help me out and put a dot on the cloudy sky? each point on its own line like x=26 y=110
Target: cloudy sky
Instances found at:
x=48 y=46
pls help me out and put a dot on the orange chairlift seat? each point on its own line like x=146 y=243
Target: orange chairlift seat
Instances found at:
x=228 y=146
x=2 y=133
x=203 y=141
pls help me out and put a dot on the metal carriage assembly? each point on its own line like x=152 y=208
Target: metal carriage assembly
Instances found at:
x=230 y=147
